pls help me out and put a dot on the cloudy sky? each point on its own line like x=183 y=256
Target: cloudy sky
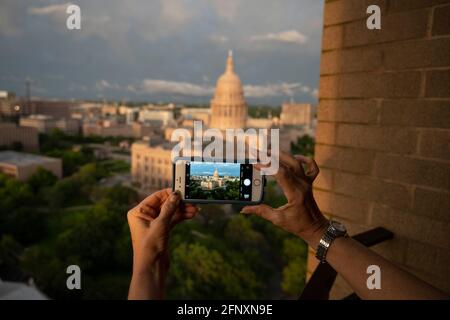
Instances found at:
x=161 y=50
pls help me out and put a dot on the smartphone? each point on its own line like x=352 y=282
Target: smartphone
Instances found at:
x=218 y=182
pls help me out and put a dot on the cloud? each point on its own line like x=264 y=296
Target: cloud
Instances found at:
x=218 y=39
x=102 y=85
x=289 y=36
x=54 y=9
x=172 y=87
x=153 y=86
x=227 y=9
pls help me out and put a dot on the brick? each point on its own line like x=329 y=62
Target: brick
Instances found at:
x=394 y=27
x=324 y=180
x=343 y=11
x=341 y=206
x=379 y=85
x=340 y=289
x=328 y=87
x=351 y=60
x=411 y=226
x=401 y=140
x=413 y=171
x=326 y=132
x=406 y=5
x=415 y=113
x=429 y=53
x=393 y=250
x=332 y=37
x=435 y=144
x=351 y=111
x=432 y=203
x=433 y=279
x=441 y=21
x=438 y=83
x=364 y=187
x=346 y=159
x=428 y=258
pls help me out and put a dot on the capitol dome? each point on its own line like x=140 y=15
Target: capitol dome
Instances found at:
x=228 y=107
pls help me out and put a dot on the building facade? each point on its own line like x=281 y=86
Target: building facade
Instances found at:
x=228 y=107
x=151 y=166
x=22 y=165
x=10 y=134
x=297 y=114
x=45 y=124
x=383 y=131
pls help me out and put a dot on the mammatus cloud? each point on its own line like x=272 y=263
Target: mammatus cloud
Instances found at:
x=289 y=36
x=153 y=86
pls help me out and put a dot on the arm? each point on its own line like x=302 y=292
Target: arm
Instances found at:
x=302 y=217
x=150 y=224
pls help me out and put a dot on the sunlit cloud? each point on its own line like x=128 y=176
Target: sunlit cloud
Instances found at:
x=289 y=36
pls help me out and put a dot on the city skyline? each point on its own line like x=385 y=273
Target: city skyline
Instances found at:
x=163 y=51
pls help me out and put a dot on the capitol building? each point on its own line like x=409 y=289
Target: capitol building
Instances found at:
x=228 y=107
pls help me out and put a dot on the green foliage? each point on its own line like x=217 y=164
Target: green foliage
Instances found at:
x=263 y=111
x=41 y=178
x=10 y=251
x=304 y=146
x=201 y=272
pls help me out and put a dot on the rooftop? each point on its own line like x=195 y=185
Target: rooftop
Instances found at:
x=21 y=158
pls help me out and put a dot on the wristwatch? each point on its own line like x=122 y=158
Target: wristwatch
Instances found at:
x=335 y=230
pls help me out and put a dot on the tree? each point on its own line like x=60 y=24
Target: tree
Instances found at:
x=303 y=146
x=41 y=178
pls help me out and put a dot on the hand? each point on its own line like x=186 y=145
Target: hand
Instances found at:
x=300 y=215
x=150 y=223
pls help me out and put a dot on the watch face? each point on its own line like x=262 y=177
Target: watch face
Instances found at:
x=339 y=227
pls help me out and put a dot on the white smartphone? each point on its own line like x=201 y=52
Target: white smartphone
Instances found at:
x=218 y=182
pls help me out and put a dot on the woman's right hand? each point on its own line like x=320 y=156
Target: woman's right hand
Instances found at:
x=300 y=215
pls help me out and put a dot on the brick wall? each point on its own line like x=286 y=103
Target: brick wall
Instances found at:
x=383 y=135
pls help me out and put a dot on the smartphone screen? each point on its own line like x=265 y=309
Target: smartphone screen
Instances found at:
x=218 y=181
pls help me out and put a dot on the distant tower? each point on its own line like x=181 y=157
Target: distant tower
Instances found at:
x=228 y=108
x=216 y=174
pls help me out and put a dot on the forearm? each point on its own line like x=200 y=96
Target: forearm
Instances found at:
x=351 y=259
x=148 y=280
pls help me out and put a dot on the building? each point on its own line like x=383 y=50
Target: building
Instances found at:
x=45 y=124
x=211 y=183
x=228 y=107
x=151 y=165
x=198 y=114
x=156 y=116
x=141 y=130
x=55 y=108
x=12 y=134
x=382 y=141
x=23 y=165
x=107 y=129
x=297 y=114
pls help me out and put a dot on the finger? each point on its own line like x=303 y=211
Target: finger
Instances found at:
x=155 y=200
x=285 y=181
x=312 y=169
x=291 y=163
x=262 y=210
x=146 y=212
x=169 y=208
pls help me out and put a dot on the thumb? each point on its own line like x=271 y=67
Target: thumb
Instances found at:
x=262 y=210
x=169 y=208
